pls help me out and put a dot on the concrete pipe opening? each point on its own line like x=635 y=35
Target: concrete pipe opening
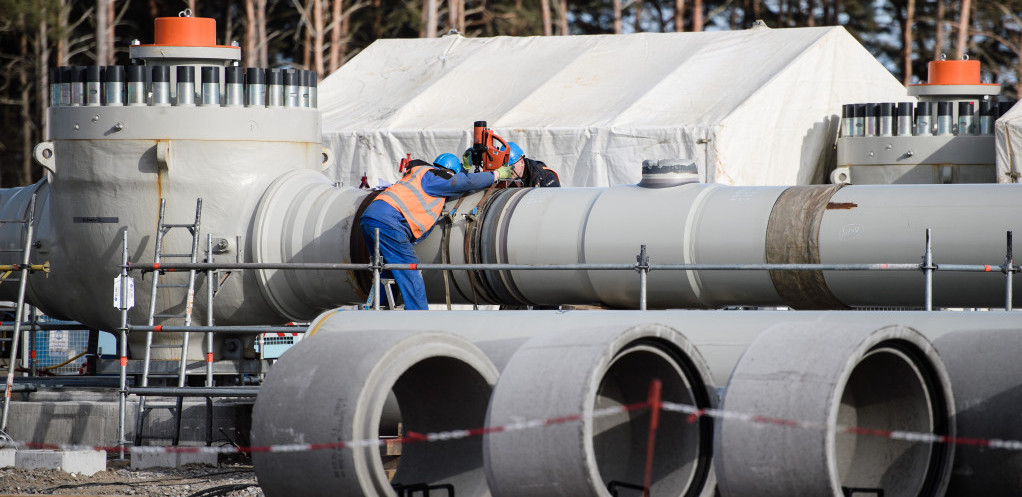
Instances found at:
x=341 y=387
x=620 y=440
x=890 y=389
x=862 y=383
x=441 y=394
x=603 y=453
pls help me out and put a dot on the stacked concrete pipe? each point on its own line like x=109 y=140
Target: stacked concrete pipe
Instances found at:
x=853 y=375
x=334 y=388
x=804 y=367
x=596 y=368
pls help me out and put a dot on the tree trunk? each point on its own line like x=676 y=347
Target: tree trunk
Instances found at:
x=697 y=15
x=262 y=45
x=101 y=22
x=111 y=16
x=432 y=17
x=154 y=9
x=938 y=38
x=336 y=13
x=811 y=17
x=679 y=16
x=249 y=57
x=452 y=14
x=318 y=35
x=63 y=13
x=191 y=7
x=548 y=26
x=963 y=29
x=617 y=17
x=307 y=45
x=25 y=175
x=42 y=63
x=637 y=26
x=906 y=49
x=564 y=17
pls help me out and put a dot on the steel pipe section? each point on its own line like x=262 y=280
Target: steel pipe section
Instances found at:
x=987 y=379
x=333 y=387
x=583 y=371
x=888 y=378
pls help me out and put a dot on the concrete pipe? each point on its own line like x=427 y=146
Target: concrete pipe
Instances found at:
x=582 y=371
x=987 y=379
x=334 y=387
x=889 y=378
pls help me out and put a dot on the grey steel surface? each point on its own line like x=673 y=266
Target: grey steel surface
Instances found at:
x=952 y=92
x=186 y=123
x=911 y=150
x=441 y=382
x=169 y=368
x=887 y=378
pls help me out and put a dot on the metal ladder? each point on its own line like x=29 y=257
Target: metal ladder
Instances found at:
x=23 y=269
x=160 y=256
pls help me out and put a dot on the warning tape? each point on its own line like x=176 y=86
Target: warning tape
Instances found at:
x=694 y=414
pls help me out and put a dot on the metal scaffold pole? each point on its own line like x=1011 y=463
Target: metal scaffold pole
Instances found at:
x=122 y=398
x=18 y=313
x=1009 y=273
x=928 y=269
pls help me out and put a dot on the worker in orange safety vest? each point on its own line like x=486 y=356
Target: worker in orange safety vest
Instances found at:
x=407 y=210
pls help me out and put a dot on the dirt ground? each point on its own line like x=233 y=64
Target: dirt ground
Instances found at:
x=233 y=479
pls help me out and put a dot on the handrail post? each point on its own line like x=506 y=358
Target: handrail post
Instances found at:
x=928 y=268
x=642 y=266
x=376 y=269
x=1009 y=272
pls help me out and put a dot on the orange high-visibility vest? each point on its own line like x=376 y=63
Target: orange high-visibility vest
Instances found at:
x=419 y=208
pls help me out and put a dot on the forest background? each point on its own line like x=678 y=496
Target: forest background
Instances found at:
x=322 y=34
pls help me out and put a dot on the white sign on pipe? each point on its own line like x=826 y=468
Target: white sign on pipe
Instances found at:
x=129 y=293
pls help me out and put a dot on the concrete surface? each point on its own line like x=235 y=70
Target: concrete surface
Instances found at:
x=86 y=462
x=6 y=458
x=146 y=460
x=91 y=418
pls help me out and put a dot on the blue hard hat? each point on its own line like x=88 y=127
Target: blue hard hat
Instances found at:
x=449 y=161
x=516 y=153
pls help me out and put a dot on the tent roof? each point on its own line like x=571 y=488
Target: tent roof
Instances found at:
x=660 y=86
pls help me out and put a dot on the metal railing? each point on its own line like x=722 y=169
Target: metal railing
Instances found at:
x=642 y=266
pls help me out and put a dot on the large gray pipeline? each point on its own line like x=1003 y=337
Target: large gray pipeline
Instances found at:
x=684 y=224
x=265 y=201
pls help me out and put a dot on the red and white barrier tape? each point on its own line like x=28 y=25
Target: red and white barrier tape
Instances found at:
x=694 y=414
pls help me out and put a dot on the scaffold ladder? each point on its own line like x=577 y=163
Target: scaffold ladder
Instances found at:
x=23 y=269
x=158 y=276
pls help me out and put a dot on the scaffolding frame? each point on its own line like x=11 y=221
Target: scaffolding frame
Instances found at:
x=642 y=266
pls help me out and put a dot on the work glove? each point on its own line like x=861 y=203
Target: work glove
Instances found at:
x=504 y=173
x=466 y=161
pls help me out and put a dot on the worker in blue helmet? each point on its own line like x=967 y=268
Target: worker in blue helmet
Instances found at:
x=406 y=212
x=531 y=172
x=449 y=161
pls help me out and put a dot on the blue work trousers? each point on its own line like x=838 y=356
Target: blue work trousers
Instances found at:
x=396 y=248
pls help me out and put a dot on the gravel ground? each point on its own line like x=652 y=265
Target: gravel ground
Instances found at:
x=230 y=479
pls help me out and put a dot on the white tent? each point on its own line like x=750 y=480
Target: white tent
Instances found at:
x=1008 y=131
x=760 y=106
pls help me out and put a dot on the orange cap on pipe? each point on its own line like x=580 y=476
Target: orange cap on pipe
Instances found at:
x=953 y=72
x=185 y=31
